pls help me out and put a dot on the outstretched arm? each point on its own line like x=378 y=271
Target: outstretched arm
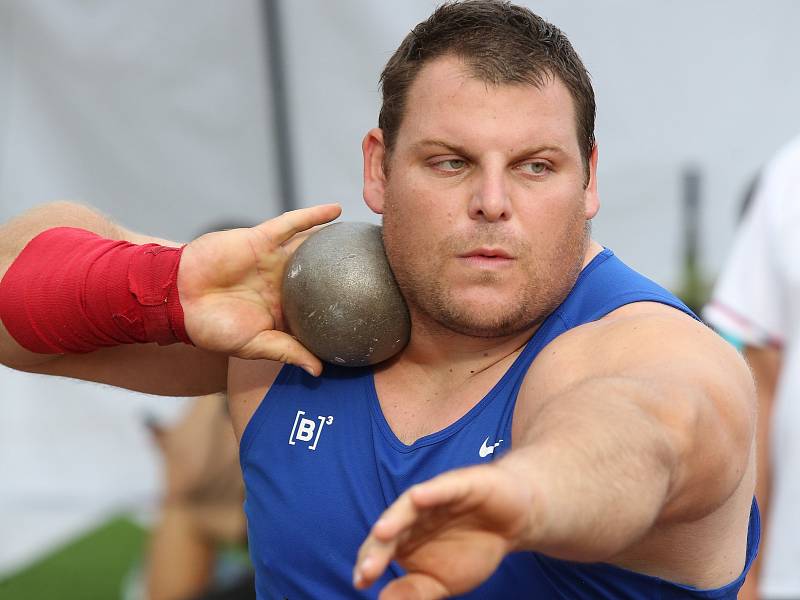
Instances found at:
x=228 y=283
x=655 y=422
x=625 y=427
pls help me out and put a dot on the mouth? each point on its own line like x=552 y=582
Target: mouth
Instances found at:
x=487 y=253
x=487 y=257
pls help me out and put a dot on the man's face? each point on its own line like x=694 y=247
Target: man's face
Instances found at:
x=484 y=204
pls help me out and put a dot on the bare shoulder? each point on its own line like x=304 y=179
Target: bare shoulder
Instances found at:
x=699 y=389
x=248 y=382
x=664 y=364
x=648 y=341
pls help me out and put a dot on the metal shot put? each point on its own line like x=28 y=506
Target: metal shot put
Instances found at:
x=340 y=298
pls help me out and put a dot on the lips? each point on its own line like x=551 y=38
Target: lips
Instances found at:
x=486 y=253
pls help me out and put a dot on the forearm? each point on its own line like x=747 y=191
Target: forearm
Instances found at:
x=171 y=370
x=20 y=230
x=69 y=292
x=16 y=234
x=598 y=472
x=602 y=467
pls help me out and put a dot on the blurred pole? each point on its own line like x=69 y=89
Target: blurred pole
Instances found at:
x=694 y=288
x=691 y=216
x=271 y=17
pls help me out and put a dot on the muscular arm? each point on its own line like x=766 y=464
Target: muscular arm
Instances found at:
x=635 y=421
x=632 y=444
x=229 y=285
x=169 y=370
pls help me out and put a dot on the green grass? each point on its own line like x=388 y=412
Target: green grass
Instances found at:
x=91 y=568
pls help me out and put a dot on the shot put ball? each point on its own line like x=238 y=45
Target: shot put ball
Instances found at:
x=340 y=298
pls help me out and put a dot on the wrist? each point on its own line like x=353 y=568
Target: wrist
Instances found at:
x=521 y=475
x=152 y=280
x=71 y=291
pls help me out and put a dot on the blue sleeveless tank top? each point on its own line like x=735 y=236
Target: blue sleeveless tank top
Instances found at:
x=321 y=464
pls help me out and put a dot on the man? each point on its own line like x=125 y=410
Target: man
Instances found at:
x=558 y=426
x=754 y=302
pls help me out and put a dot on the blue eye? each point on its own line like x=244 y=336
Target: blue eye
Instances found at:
x=452 y=164
x=535 y=168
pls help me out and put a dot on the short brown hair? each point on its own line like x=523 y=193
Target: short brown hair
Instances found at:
x=501 y=43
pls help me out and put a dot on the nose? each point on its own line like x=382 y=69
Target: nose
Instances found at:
x=490 y=201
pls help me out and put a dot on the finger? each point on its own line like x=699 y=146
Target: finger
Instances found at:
x=414 y=585
x=380 y=546
x=279 y=346
x=289 y=223
x=374 y=557
x=449 y=488
x=395 y=524
x=294 y=242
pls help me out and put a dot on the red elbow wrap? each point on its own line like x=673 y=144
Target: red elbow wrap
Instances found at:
x=72 y=291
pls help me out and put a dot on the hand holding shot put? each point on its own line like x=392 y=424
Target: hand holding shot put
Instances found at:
x=230 y=288
x=557 y=426
x=224 y=288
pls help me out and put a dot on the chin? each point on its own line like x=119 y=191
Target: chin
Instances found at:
x=487 y=330
x=487 y=320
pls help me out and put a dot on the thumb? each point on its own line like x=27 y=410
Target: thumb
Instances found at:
x=416 y=586
x=276 y=345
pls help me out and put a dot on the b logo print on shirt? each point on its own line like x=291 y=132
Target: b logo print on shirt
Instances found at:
x=305 y=430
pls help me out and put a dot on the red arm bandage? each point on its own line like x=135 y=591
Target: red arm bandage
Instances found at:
x=72 y=291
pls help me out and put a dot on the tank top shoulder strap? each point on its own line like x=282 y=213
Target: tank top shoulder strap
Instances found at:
x=604 y=285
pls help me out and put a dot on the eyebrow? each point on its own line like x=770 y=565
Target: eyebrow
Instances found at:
x=455 y=149
x=423 y=144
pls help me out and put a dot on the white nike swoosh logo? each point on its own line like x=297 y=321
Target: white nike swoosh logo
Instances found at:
x=487 y=450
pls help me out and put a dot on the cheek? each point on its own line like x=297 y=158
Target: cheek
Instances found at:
x=406 y=239
x=554 y=228
x=545 y=217
x=409 y=216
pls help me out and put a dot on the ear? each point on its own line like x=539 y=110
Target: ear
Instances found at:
x=591 y=197
x=374 y=176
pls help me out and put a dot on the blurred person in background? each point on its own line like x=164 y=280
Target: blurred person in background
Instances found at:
x=201 y=513
x=756 y=302
x=133 y=108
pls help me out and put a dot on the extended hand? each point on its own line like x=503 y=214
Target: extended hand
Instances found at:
x=230 y=285
x=449 y=533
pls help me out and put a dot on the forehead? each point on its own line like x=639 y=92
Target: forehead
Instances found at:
x=446 y=101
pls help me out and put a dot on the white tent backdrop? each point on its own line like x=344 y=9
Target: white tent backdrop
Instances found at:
x=156 y=111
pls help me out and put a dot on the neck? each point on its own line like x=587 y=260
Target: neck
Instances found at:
x=440 y=376
x=434 y=345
